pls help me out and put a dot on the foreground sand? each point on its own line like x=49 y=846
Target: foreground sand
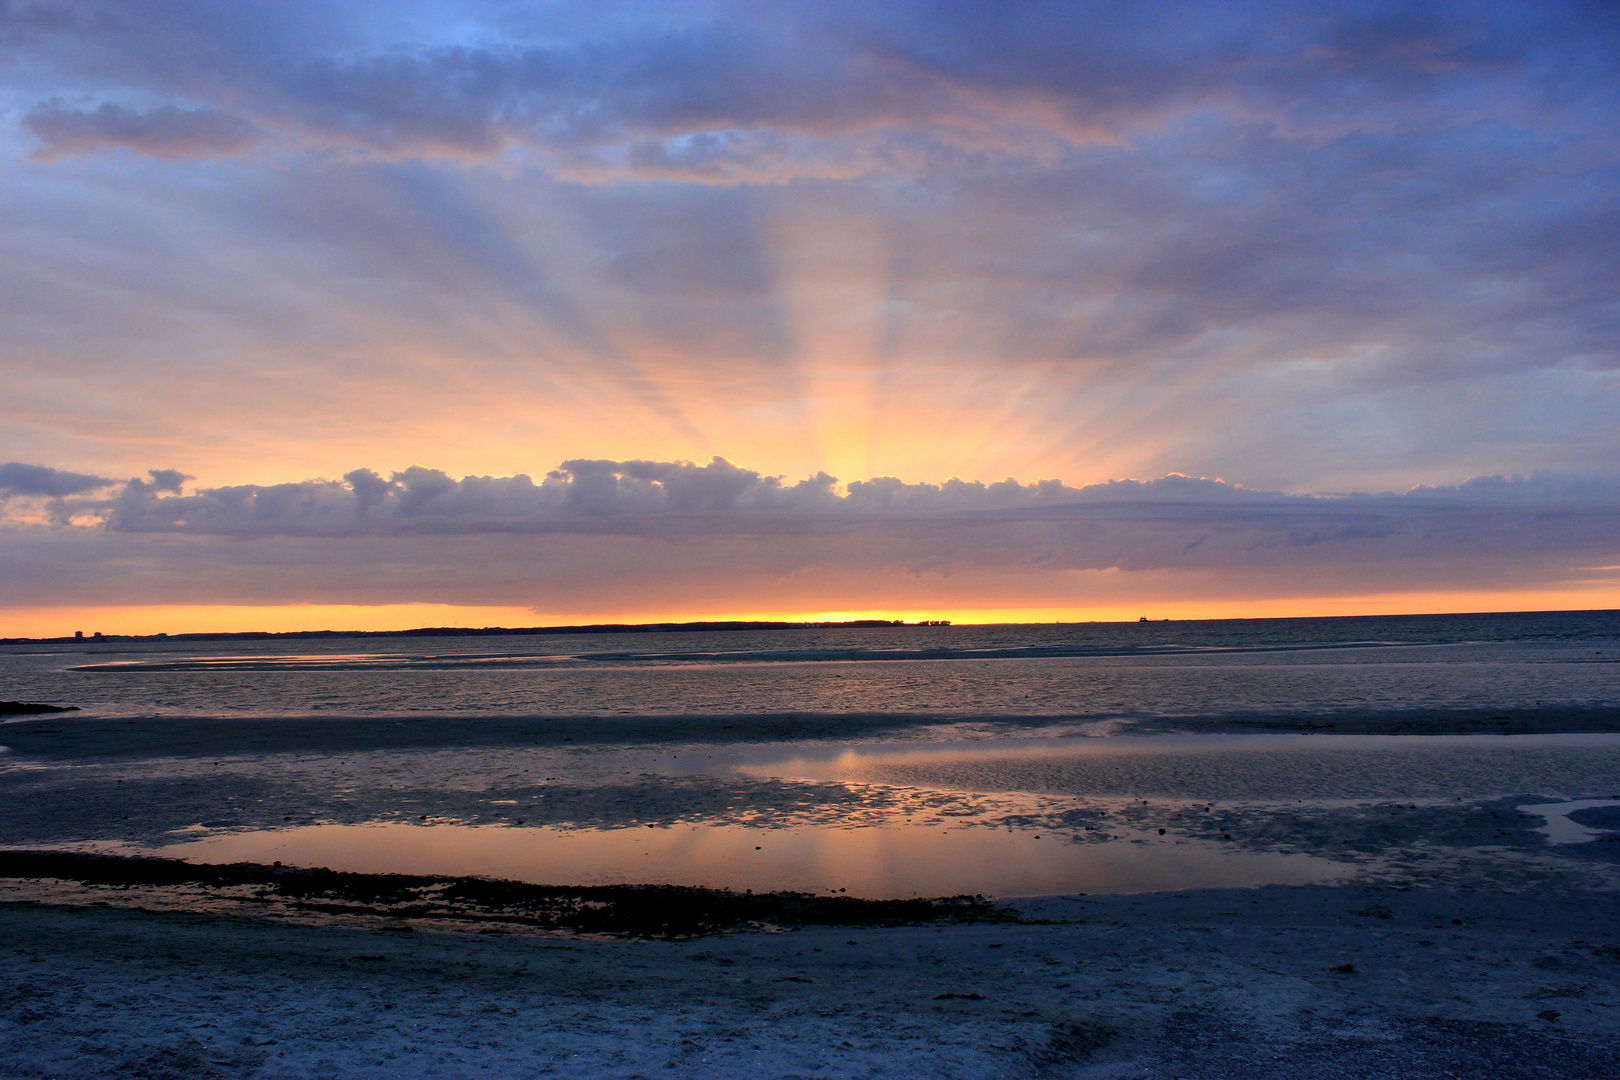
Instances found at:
x=1316 y=982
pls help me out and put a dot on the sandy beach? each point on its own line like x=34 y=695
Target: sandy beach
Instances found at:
x=1230 y=984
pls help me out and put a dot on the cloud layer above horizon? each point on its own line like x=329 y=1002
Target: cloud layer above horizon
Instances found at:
x=1349 y=247
x=592 y=535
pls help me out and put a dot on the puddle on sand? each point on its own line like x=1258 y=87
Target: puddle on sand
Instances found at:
x=1560 y=829
x=875 y=862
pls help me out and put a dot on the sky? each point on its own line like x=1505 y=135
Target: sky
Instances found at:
x=342 y=314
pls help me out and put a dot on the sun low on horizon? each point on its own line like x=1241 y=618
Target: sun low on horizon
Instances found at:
x=364 y=316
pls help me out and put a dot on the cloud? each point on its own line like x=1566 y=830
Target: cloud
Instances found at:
x=1130 y=524
x=617 y=537
x=581 y=495
x=17 y=478
x=168 y=480
x=167 y=132
x=738 y=92
x=649 y=497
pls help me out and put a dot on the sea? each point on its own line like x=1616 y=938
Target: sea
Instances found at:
x=879 y=761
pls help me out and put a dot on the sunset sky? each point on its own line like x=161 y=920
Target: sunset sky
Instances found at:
x=337 y=314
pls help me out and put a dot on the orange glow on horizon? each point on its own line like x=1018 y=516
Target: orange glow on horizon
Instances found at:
x=230 y=619
x=182 y=619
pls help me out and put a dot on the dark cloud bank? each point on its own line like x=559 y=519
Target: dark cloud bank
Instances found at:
x=656 y=530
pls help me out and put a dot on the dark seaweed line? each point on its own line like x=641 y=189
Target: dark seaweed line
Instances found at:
x=628 y=910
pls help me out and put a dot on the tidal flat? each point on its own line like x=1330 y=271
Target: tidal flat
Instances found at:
x=1426 y=935
x=1224 y=860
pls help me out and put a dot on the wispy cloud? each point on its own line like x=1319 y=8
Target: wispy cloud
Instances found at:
x=166 y=132
x=738 y=91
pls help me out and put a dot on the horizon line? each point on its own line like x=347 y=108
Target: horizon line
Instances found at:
x=716 y=625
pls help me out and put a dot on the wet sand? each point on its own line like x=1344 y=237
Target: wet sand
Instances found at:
x=1302 y=982
x=193 y=736
x=1541 y=720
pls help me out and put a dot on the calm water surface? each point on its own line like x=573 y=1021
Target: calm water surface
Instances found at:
x=881 y=861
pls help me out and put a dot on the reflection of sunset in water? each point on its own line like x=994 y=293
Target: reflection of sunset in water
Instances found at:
x=879 y=861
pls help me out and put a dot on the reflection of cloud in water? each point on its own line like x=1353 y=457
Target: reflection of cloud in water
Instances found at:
x=1560 y=829
x=1222 y=767
x=878 y=819
x=876 y=862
